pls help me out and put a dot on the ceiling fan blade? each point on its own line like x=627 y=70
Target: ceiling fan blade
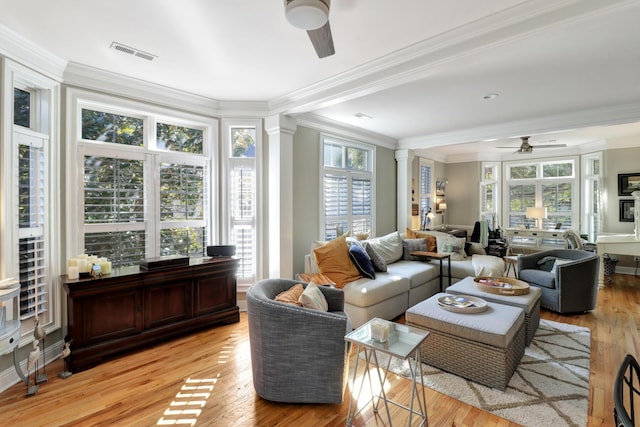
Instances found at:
x=550 y=146
x=322 y=40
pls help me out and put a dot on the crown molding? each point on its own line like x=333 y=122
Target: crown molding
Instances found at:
x=613 y=115
x=323 y=124
x=28 y=54
x=417 y=61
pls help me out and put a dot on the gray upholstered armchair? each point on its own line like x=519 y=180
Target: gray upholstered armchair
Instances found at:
x=298 y=354
x=571 y=287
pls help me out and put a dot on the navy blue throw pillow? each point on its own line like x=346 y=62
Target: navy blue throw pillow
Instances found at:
x=362 y=261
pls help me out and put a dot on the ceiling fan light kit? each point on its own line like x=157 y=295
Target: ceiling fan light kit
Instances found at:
x=307 y=14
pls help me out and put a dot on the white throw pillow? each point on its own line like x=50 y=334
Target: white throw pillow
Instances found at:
x=452 y=245
x=558 y=262
x=389 y=246
x=312 y=297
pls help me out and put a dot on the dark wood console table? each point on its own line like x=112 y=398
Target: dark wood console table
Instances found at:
x=133 y=308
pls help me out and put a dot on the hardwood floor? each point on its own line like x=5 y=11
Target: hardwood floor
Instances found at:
x=205 y=380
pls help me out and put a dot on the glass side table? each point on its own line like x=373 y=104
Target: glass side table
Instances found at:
x=403 y=342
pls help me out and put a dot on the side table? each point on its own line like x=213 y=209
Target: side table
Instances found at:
x=427 y=256
x=512 y=262
x=403 y=342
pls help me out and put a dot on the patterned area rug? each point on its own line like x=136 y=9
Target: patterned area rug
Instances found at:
x=549 y=388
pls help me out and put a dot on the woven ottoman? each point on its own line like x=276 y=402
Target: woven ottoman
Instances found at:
x=483 y=347
x=530 y=302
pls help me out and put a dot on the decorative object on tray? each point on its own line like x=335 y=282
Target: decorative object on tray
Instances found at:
x=462 y=304
x=501 y=285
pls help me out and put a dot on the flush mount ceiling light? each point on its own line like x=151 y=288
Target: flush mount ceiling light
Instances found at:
x=362 y=116
x=490 y=96
x=307 y=14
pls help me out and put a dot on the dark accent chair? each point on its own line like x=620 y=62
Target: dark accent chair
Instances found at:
x=298 y=355
x=572 y=288
x=626 y=392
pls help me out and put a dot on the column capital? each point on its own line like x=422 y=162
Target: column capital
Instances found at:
x=280 y=123
x=404 y=155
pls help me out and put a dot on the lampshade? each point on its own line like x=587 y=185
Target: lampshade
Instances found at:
x=537 y=213
x=307 y=14
x=442 y=206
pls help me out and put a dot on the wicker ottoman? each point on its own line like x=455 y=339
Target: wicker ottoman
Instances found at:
x=484 y=347
x=530 y=302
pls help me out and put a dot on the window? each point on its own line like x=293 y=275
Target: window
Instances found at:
x=144 y=193
x=489 y=194
x=241 y=148
x=425 y=198
x=347 y=188
x=29 y=254
x=592 y=183
x=550 y=184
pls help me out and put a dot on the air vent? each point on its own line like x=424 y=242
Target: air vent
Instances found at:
x=132 y=51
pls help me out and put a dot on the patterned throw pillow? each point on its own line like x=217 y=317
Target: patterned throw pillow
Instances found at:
x=432 y=242
x=453 y=246
x=362 y=261
x=312 y=297
x=412 y=245
x=378 y=262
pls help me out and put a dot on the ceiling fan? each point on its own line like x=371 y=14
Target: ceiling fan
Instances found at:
x=313 y=16
x=526 y=148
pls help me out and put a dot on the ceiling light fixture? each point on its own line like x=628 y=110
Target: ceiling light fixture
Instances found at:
x=490 y=96
x=307 y=14
x=362 y=116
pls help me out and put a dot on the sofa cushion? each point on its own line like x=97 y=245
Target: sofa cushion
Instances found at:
x=412 y=245
x=538 y=277
x=487 y=265
x=418 y=273
x=388 y=246
x=362 y=261
x=333 y=260
x=378 y=262
x=453 y=246
x=312 y=297
x=366 y=292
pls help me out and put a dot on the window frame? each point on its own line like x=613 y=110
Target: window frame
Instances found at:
x=488 y=215
x=44 y=113
x=426 y=200
x=349 y=173
x=78 y=99
x=591 y=220
x=243 y=283
x=538 y=181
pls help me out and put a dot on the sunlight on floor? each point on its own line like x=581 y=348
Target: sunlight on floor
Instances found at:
x=362 y=396
x=194 y=393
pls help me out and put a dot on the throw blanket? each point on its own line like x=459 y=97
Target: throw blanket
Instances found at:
x=487 y=265
x=484 y=233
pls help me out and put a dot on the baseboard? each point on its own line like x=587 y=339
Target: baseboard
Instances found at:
x=9 y=377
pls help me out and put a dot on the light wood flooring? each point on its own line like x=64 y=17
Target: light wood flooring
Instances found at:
x=204 y=379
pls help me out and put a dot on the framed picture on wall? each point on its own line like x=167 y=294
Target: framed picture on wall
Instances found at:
x=626 y=210
x=628 y=183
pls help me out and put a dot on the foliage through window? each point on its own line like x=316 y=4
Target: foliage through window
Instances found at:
x=121 y=221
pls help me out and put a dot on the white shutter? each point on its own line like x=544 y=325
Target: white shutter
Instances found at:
x=243 y=215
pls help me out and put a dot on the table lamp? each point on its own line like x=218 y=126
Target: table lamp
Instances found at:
x=538 y=214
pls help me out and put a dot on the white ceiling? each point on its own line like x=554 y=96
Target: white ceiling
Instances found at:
x=419 y=68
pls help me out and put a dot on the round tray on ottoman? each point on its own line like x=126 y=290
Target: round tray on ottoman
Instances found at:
x=501 y=285
x=462 y=304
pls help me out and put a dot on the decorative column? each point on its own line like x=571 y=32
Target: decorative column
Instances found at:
x=279 y=195
x=404 y=159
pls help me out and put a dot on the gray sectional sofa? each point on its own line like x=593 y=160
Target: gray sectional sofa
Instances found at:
x=404 y=284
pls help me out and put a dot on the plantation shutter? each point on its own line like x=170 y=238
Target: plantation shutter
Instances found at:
x=242 y=197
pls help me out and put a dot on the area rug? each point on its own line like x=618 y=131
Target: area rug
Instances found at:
x=549 y=388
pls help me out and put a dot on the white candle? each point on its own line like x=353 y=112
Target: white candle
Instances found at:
x=379 y=331
x=82 y=265
x=105 y=266
x=73 y=272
